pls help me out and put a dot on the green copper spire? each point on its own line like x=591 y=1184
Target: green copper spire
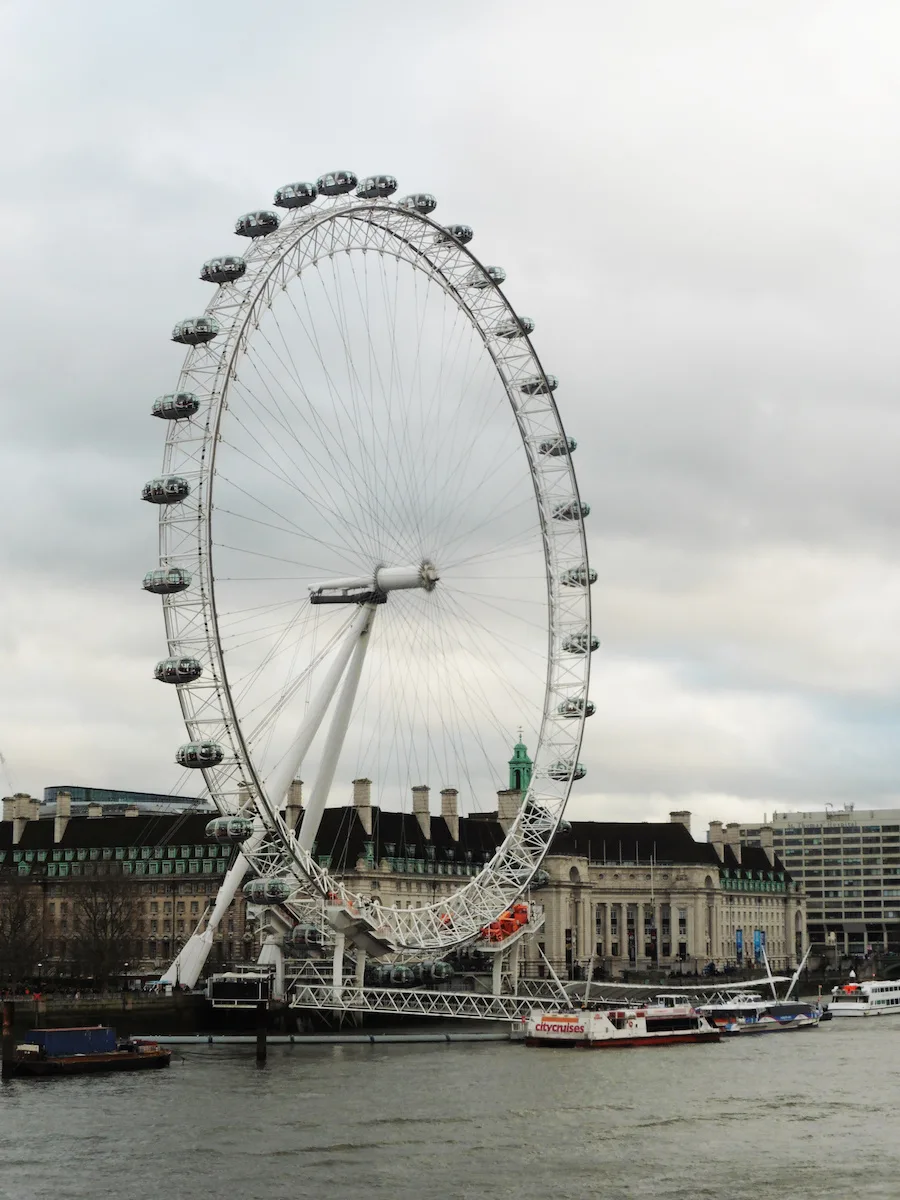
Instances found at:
x=519 y=767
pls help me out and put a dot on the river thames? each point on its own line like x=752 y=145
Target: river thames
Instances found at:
x=810 y=1114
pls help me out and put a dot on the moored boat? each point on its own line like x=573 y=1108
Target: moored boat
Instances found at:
x=83 y=1050
x=662 y=1022
x=747 y=1013
x=870 y=998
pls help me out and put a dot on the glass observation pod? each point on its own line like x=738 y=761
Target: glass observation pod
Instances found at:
x=268 y=891
x=376 y=186
x=420 y=202
x=177 y=670
x=336 y=183
x=195 y=331
x=306 y=935
x=171 y=489
x=569 y=511
x=557 y=447
x=402 y=975
x=575 y=707
x=166 y=581
x=224 y=269
x=197 y=755
x=295 y=195
x=564 y=826
x=578 y=576
x=455 y=233
x=175 y=407
x=231 y=831
x=485 y=278
x=565 y=770
x=514 y=329
x=578 y=643
x=257 y=224
x=539 y=879
x=538 y=385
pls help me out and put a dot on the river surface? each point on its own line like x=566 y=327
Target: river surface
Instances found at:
x=809 y=1115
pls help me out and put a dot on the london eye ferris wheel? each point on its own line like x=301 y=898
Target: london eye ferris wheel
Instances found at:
x=372 y=554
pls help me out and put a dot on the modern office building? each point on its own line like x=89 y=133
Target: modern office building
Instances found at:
x=113 y=801
x=849 y=862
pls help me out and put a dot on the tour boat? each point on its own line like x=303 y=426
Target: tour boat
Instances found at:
x=747 y=1013
x=661 y=1022
x=871 y=998
x=83 y=1050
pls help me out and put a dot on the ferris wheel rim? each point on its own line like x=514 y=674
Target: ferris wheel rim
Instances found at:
x=491 y=883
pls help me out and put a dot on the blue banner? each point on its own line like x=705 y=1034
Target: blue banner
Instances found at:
x=739 y=944
x=757 y=944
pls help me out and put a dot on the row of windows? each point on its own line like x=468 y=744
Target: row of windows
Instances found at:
x=179 y=867
x=120 y=853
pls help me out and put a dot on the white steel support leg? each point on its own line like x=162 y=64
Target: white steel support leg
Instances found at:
x=497 y=974
x=280 y=780
x=337 y=967
x=515 y=954
x=331 y=751
x=360 y=968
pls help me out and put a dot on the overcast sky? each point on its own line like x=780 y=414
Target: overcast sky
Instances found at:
x=696 y=202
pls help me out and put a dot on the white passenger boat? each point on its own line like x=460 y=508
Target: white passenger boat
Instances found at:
x=869 y=998
x=661 y=1022
x=748 y=1013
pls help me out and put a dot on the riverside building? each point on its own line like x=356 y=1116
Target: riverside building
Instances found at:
x=617 y=896
x=849 y=862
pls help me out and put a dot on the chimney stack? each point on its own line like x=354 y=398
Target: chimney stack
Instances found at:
x=682 y=817
x=509 y=801
x=24 y=809
x=294 y=807
x=132 y=810
x=63 y=812
x=450 y=811
x=767 y=841
x=733 y=838
x=422 y=809
x=9 y=808
x=717 y=838
x=362 y=799
x=94 y=811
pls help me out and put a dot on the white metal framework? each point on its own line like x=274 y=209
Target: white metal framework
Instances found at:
x=363 y=454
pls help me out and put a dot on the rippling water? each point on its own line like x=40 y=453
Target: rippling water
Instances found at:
x=810 y=1114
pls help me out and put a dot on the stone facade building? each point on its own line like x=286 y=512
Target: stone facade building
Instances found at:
x=617 y=896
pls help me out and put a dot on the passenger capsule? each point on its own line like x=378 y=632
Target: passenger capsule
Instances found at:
x=224 y=269
x=171 y=489
x=484 y=278
x=306 y=935
x=420 y=202
x=175 y=407
x=575 y=707
x=257 y=224
x=178 y=670
x=402 y=975
x=455 y=233
x=516 y=328
x=166 y=581
x=538 y=385
x=295 y=195
x=199 y=754
x=578 y=576
x=195 y=331
x=374 y=187
x=268 y=891
x=564 y=826
x=539 y=879
x=230 y=831
x=561 y=771
x=337 y=183
x=580 y=643
x=440 y=970
x=557 y=447
x=569 y=511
